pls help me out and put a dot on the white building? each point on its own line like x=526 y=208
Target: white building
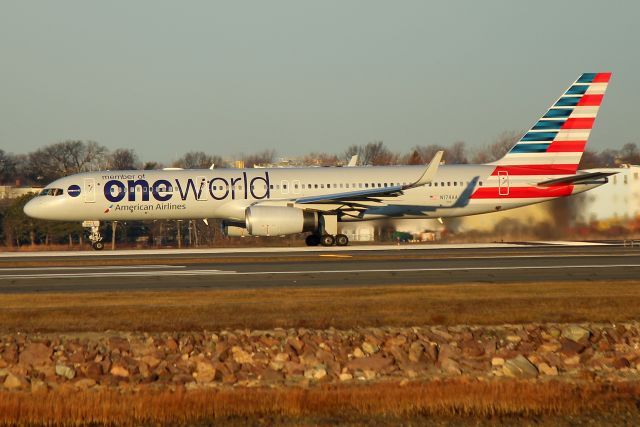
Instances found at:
x=11 y=192
x=619 y=199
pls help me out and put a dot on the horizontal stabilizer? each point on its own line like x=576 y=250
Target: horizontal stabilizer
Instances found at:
x=584 y=178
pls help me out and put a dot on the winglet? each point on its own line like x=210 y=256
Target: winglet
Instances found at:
x=353 y=161
x=429 y=172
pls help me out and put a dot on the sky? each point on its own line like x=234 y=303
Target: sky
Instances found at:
x=298 y=76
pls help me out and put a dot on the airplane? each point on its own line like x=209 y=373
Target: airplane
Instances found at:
x=541 y=166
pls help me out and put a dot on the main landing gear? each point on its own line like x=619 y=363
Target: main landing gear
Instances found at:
x=94 y=235
x=327 y=240
x=327 y=234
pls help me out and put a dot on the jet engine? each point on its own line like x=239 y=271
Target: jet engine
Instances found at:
x=279 y=220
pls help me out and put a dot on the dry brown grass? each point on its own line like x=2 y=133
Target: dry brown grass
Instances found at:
x=384 y=400
x=320 y=308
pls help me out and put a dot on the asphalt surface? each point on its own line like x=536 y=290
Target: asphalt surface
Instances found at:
x=261 y=268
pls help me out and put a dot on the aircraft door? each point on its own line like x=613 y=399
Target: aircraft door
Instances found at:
x=503 y=183
x=89 y=190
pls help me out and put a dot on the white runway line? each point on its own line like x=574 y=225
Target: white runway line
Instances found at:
x=562 y=243
x=299 y=272
x=302 y=249
x=97 y=267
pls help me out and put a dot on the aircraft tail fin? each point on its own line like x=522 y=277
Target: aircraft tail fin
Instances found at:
x=558 y=139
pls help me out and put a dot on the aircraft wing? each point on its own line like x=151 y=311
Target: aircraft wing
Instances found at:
x=575 y=179
x=371 y=194
x=374 y=194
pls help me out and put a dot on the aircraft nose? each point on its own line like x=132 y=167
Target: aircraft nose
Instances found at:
x=31 y=208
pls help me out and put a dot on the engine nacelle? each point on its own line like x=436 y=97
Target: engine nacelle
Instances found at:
x=279 y=220
x=233 y=229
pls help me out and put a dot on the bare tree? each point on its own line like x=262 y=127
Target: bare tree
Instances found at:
x=152 y=165
x=374 y=153
x=8 y=163
x=351 y=151
x=456 y=154
x=320 y=159
x=420 y=155
x=630 y=154
x=261 y=158
x=65 y=158
x=198 y=160
x=123 y=159
x=590 y=159
x=504 y=142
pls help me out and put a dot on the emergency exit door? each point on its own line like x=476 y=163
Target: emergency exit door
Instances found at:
x=503 y=183
x=89 y=190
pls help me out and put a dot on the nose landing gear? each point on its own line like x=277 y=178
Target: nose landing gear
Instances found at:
x=94 y=236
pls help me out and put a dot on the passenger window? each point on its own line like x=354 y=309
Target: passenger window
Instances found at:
x=321 y=185
x=455 y=183
x=316 y=185
x=480 y=183
x=366 y=185
x=435 y=184
x=270 y=186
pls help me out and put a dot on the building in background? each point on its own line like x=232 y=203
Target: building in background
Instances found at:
x=617 y=200
x=11 y=192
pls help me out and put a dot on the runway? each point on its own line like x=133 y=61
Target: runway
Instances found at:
x=261 y=268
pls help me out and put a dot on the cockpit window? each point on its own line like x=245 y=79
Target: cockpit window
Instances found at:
x=52 y=192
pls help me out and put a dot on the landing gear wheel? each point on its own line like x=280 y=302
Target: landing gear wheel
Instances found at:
x=98 y=246
x=327 y=240
x=342 y=240
x=312 y=240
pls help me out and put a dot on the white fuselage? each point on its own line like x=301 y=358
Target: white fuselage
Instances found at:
x=456 y=190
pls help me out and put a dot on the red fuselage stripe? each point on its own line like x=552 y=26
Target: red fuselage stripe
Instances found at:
x=537 y=169
x=523 y=192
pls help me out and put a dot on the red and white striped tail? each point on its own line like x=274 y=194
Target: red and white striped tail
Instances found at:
x=554 y=145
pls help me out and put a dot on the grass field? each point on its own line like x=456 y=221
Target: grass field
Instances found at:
x=402 y=305
x=382 y=403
